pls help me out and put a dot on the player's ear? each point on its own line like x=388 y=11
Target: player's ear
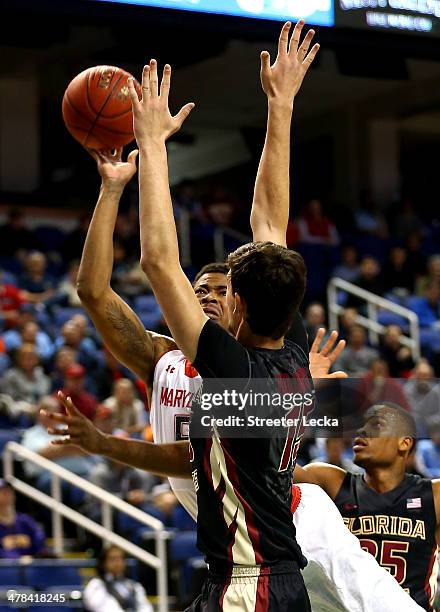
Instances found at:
x=405 y=444
x=239 y=305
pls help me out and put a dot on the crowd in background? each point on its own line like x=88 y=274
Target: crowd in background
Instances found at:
x=48 y=343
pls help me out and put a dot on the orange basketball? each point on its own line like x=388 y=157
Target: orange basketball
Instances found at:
x=97 y=108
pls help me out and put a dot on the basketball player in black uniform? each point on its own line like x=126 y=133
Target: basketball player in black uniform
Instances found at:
x=249 y=540
x=395 y=515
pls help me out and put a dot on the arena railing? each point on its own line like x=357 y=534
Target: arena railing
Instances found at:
x=375 y=304
x=108 y=501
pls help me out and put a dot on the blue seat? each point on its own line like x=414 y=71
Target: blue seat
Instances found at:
x=184 y=546
x=145 y=303
x=53 y=575
x=181 y=520
x=8 y=435
x=11 y=575
x=150 y=319
x=62 y=315
x=391 y=318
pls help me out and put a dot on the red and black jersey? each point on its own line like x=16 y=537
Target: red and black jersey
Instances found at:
x=244 y=480
x=398 y=528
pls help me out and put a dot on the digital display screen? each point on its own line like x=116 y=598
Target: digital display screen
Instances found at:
x=316 y=12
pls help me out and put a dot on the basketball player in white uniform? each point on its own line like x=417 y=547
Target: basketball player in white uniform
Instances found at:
x=171 y=381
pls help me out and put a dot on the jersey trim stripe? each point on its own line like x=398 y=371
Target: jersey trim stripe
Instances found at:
x=431 y=577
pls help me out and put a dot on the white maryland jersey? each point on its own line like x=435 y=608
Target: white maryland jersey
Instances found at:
x=175 y=383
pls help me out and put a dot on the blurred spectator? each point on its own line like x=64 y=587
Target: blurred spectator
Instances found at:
x=74 y=384
x=110 y=372
x=314 y=319
x=74 y=242
x=30 y=333
x=220 y=210
x=11 y=299
x=292 y=234
x=357 y=357
x=36 y=284
x=432 y=275
x=368 y=219
x=334 y=453
x=26 y=381
x=423 y=393
x=20 y=534
x=315 y=227
x=368 y=279
x=346 y=321
x=412 y=466
x=66 y=295
x=376 y=387
x=128 y=412
x=348 y=269
x=416 y=259
x=64 y=357
x=397 y=273
x=73 y=335
x=398 y=357
x=185 y=198
x=428 y=307
x=128 y=278
x=428 y=453
x=14 y=236
x=111 y=591
x=406 y=220
x=38 y=440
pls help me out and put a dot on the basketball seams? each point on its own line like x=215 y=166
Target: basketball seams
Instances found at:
x=121 y=76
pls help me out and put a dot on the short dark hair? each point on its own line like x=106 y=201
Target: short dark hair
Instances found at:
x=271 y=279
x=212 y=268
x=405 y=419
x=102 y=558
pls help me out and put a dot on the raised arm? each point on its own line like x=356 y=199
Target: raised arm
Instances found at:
x=120 y=328
x=153 y=125
x=281 y=82
x=78 y=431
x=328 y=477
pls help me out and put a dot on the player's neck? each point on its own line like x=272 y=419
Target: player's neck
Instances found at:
x=383 y=480
x=246 y=337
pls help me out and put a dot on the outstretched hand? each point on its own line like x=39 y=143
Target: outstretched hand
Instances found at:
x=322 y=360
x=283 y=80
x=112 y=169
x=152 y=119
x=80 y=431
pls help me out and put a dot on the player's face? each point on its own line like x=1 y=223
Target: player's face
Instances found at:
x=210 y=290
x=377 y=443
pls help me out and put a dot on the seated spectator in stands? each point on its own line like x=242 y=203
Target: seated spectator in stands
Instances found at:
x=64 y=357
x=66 y=295
x=11 y=298
x=20 y=534
x=73 y=335
x=30 y=333
x=74 y=242
x=334 y=453
x=314 y=318
x=220 y=210
x=397 y=356
x=397 y=274
x=38 y=440
x=346 y=321
x=357 y=357
x=428 y=307
x=423 y=393
x=185 y=198
x=315 y=227
x=432 y=275
x=348 y=269
x=376 y=387
x=26 y=381
x=368 y=279
x=127 y=279
x=128 y=412
x=108 y=374
x=74 y=387
x=406 y=220
x=428 y=453
x=111 y=591
x=36 y=284
x=369 y=219
x=14 y=235
x=292 y=234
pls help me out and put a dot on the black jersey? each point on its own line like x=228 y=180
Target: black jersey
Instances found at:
x=244 y=484
x=398 y=528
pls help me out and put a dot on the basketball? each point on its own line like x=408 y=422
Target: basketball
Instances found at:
x=97 y=108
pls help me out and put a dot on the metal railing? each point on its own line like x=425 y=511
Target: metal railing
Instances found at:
x=108 y=501
x=371 y=323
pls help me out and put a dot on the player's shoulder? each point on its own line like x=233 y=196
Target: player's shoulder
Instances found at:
x=416 y=480
x=174 y=362
x=297 y=350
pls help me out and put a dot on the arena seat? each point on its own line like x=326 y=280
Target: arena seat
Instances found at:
x=391 y=318
x=184 y=546
x=11 y=575
x=9 y=435
x=150 y=319
x=181 y=520
x=62 y=315
x=145 y=303
x=53 y=574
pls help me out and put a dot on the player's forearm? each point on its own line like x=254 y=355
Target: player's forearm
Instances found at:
x=161 y=459
x=159 y=245
x=97 y=257
x=270 y=207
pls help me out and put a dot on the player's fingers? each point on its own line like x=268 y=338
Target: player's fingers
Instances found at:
x=183 y=113
x=265 y=62
x=154 y=83
x=294 y=41
x=337 y=351
x=61 y=442
x=283 y=43
x=72 y=411
x=133 y=93
x=54 y=416
x=305 y=45
x=131 y=159
x=166 y=82
x=329 y=344
x=56 y=431
x=338 y=374
x=318 y=339
x=310 y=57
